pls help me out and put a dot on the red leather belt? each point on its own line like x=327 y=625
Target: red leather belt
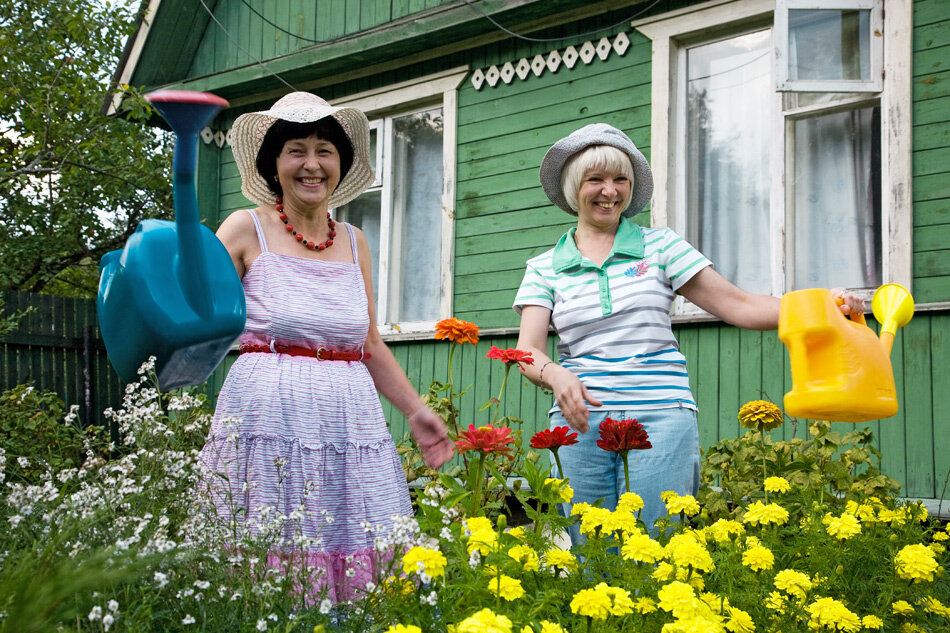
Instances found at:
x=320 y=353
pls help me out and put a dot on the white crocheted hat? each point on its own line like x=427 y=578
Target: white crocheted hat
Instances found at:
x=247 y=136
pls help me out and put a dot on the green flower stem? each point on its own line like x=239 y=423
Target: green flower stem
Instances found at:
x=449 y=373
x=501 y=393
x=478 y=483
x=557 y=460
x=626 y=469
x=764 y=472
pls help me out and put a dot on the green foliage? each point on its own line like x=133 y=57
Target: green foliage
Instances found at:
x=39 y=435
x=828 y=467
x=74 y=183
x=10 y=322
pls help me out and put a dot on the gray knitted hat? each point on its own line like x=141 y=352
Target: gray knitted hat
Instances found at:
x=595 y=134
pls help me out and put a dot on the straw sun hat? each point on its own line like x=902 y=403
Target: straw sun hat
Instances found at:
x=552 y=166
x=247 y=136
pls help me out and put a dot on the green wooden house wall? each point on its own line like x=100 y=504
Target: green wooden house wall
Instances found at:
x=503 y=217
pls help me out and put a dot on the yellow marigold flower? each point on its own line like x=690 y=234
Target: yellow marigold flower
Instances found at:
x=526 y=556
x=793 y=582
x=932 y=605
x=902 y=607
x=517 y=532
x=916 y=563
x=724 y=529
x=483 y=537
x=718 y=604
x=760 y=415
x=777 y=484
x=664 y=571
x=758 y=558
x=896 y=518
x=776 y=602
x=739 y=621
x=678 y=598
x=759 y=513
x=546 y=627
x=620 y=602
x=398 y=586
x=484 y=621
x=564 y=491
x=866 y=512
x=941 y=536
x=641 y=548
x=506 y=587
x=937 y=548
x=595 y=519
x=630 y=501
x=620 y=520
x=872 y=623
x=424 y=559
x=644 y=605
x=457 y=331
x=684 y=551
x=686 y=504
x=843 y=527
x=697 y=581
x=828 y=614
x=907 y=627
x=667 y=494
x=404 y=628
x=592 y=603
x=580 y=508
x=560 y=558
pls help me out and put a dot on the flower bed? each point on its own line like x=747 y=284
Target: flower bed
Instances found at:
x=803 y=535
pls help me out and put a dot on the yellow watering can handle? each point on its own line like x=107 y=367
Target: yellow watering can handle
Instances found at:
x=857 y=318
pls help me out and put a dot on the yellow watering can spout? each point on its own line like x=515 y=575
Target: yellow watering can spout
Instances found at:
x=893 y=307
x=840 y=369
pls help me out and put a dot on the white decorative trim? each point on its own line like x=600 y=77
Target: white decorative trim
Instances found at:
x=551 y=61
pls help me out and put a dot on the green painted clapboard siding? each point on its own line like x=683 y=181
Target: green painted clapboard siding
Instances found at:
x=302 y=23
x=931 y=153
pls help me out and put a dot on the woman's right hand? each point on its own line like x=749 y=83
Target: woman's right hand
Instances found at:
x=571 y=396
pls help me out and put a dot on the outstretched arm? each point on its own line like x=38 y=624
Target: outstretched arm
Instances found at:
x=569 y=392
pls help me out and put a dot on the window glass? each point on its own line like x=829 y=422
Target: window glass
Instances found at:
x=829 y=44
x=364 y=212
x=836 y=200
x=727 y=156
x=417 y=210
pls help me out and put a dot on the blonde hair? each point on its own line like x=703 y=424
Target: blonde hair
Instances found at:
x=604 y=157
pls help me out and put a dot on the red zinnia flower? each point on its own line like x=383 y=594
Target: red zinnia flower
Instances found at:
x=509 y=356
x=485 y=439
x=553 y=438
x=620 y=436
x=457 y=331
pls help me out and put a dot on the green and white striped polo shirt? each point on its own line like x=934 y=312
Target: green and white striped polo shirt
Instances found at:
x=613 y=321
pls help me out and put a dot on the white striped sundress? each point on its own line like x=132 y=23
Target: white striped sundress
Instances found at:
x=321 y=419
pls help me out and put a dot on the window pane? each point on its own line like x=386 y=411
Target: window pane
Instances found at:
x=417 y=216
x=364 y=213
x=829 y=44
x=727 y=156
x=836 y=193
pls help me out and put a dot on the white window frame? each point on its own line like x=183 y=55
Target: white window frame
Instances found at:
x=672 y=32
x=875 y=83
x=440 y=89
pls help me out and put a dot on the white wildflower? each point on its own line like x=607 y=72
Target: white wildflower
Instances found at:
x=325 y=606
x=262 y=625
x=95 y=614
x=113 y=606
x=188 y=619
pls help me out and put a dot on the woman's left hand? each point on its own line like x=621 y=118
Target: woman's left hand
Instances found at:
x=852 y=306
x=431 y=436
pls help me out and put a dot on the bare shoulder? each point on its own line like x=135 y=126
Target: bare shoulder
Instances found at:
x=239 y=236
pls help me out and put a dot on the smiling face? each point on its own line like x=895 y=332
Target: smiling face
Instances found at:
x=602 y=196
x=308 y=170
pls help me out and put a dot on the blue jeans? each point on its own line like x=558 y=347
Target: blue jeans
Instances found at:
x=672 y=463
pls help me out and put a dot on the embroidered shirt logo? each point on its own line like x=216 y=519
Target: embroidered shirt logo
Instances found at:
x=638 y=270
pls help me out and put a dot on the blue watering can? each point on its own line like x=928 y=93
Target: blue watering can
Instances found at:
x=173 y=292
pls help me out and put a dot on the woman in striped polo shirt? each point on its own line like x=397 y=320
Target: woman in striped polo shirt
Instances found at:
x=607 y=286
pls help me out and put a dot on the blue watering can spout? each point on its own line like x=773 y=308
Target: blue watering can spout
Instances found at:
x=172 y=292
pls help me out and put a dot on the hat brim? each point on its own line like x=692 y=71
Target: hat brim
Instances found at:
x=247 y=136
x=552 y=168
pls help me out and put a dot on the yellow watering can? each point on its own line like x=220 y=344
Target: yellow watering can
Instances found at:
x=841 y=371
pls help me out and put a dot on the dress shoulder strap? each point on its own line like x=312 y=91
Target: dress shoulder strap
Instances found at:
x=349 y=229
x=260 y=231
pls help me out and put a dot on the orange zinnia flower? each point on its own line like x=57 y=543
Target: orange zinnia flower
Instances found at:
x=457 y=331
x=485 y=439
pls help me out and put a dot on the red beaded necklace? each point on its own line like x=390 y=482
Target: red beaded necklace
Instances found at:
x=300 y=238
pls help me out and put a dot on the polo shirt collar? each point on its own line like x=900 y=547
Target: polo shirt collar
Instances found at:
x=628 y=241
